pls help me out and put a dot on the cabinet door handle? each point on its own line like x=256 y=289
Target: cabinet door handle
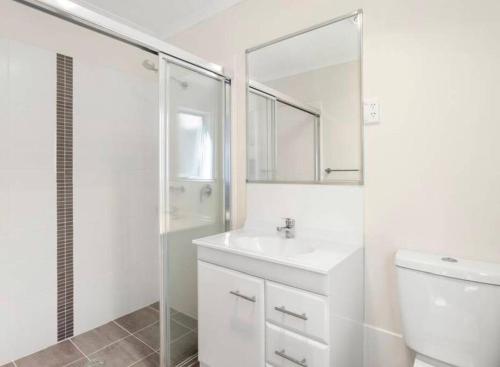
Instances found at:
x=282 y=309
x=238 y=294
x=282 y=354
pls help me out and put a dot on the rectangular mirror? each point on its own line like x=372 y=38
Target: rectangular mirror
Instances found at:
x=304 y=120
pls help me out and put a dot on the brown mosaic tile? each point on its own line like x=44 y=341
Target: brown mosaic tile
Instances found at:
x=64 y=199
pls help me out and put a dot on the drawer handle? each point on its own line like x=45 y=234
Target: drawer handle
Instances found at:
x=285 y=311
x=238 y=294
x=282 y=354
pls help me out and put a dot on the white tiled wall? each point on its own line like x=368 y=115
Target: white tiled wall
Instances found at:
x=115 y=184
x=115 y=193
x=27 y=199
x=335 y=208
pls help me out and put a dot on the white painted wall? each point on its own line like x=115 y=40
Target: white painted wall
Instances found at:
x=115 y=178
x=431 y=167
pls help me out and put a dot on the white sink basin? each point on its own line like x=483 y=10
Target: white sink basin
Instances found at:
x=271 y=245
x=303 y=262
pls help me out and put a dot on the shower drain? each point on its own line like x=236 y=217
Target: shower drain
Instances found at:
x=95 y=363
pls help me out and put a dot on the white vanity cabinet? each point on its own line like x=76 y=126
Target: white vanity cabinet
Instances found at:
x=230 y=318
x=255 y=310
x=247 y=321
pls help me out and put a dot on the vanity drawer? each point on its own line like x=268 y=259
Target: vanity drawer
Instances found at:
x=303 y=312
x=287 y=349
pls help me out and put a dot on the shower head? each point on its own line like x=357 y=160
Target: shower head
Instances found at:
x=150 y=65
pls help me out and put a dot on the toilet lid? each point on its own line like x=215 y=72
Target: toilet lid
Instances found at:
x=475 y=271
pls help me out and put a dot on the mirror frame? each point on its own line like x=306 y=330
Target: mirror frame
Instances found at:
x=360 y=181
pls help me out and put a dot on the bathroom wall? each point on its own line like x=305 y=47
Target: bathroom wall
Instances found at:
x=28 y=281
x=114 y=193
x=337 y=211
x=431 y=166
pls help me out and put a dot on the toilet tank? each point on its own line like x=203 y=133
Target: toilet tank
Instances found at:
x=450 y=308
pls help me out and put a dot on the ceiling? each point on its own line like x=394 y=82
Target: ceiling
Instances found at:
x=161 y=18
x=333 y=44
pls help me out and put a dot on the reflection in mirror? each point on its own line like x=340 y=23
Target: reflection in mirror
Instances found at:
x=304 y=120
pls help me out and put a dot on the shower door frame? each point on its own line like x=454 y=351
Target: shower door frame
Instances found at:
x=164 y=196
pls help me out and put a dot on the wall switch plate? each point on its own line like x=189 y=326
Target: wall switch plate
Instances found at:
x=371 y=111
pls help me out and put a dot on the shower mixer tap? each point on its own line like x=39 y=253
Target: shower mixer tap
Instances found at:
x=205 y=192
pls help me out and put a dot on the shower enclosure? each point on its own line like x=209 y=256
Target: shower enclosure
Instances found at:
x=194 y=189
x=114 y=155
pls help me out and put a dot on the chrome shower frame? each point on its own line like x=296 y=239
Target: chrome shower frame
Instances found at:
x=164 y=159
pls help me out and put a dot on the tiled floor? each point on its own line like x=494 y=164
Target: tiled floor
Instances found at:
x=129 y=341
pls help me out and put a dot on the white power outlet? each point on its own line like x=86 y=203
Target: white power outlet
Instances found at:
x=371 y=111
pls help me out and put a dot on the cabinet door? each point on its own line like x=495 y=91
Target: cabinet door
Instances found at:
x=230 y=318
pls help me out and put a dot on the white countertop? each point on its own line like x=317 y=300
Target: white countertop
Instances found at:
x=303 y=252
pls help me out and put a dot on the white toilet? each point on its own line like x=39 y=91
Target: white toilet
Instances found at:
x=450 y=310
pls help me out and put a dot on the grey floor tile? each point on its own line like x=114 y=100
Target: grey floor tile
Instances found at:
x=139 y=319
x=177 y=330
x=185 y=320
x=150 y=336
x=98 y=338
x=184 y=347
x=151 y=361
x=55 y=356
x=122 y=353
x=84 y=362
x=156 y=306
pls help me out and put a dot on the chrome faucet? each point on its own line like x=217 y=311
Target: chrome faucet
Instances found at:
x=288 y=228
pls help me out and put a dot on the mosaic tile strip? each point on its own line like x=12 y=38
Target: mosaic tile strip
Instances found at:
x=64 y=171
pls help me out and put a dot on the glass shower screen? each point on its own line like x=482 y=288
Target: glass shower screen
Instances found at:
x=192 y=194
